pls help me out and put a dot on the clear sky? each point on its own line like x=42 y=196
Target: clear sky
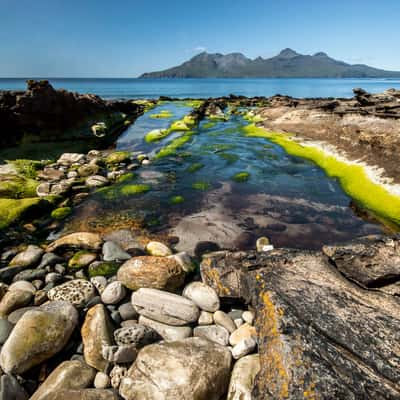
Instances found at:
x=122 y=38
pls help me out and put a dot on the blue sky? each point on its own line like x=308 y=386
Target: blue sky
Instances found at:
x=104 y=38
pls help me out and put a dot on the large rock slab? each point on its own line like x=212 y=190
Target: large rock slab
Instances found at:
x=68 y=375
x=37 y=336
x=190 y=369
x=151 y=272
x=165 y=307
x=320 y=335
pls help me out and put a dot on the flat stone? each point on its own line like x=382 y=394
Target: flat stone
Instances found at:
x=205 y=318
x=245 y=331
x=68 y=375
x=158 y=249
x=96 y=181
x=165 y=307
x=37 y=336
x=202 y=295
x=113 y=293
x=28 y=258
x=215 y=333
x=243 y=377
x=13 y=300
x=78 y=292
x=244 y=347
x=137 y=334
x=167 y=332
x=223 y=319
x=96 y=332
x=81 y=240
x=71 y=158
x=151 y=272
x=113 y=252
x=190 y=369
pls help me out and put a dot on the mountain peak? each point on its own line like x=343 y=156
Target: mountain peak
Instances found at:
x=320 y=54
x=288 y=53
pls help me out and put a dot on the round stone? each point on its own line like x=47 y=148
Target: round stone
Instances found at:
x=202 y=295
x=224 y=320
x=158 y=249
x=113 y=293
x=102 y=381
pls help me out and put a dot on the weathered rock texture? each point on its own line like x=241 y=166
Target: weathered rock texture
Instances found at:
x=321 y=336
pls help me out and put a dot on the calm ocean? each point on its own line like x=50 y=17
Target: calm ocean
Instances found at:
x=153 y=88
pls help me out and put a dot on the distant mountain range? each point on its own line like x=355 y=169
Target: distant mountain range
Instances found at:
x=287 y=64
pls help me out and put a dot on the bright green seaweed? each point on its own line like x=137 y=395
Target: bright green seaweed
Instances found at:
x=352 y=177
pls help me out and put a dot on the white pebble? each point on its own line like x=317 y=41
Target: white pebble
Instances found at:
x=102 y=381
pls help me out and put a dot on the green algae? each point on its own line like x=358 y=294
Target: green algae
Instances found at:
x=352 y=177
x=105 y=268
x=156 y=135
x=241 y=176
x=126 y=177
x=171 y=149
x=218 y=147
x=27 y=168
x=177 y=200
x=122 y=189
x=148 y=105
x=118 y=157
x=194 y=167
x=61 y=213
x=76 y=260
x=12 y=210
x=201 y=185
x=162 y=114
x=209 y=125
x=179 y=125
x=17 y=187
x=130 y=190
x=193 y=103
x=252 y=117
x=228 y=157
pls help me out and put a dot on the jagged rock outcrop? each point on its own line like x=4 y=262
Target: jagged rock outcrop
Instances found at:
x=42 y=113
x=322 y=333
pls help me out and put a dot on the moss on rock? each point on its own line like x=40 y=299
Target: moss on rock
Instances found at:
x=118 y=157
x=13 y=210
x=177 y=200
x=241 y=176
x=103 y=268
x=352 y=177
x=194 y=167
x=61 y=213
x=162 y=114
x=201 y=185
x=17 y=187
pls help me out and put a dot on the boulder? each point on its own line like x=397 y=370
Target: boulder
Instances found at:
x=68 y=375
x=202 y=295
x=189 y=369
x=165 y=307
x=96 y=332
x=37 y=336
x=81 y=240
x=151 y=272
x=243 y=377
x=82 y=394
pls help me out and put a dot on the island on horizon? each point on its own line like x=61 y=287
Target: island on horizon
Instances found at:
x=287 y=64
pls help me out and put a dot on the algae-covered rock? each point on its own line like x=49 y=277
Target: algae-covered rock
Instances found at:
x=241 y=176
x=17 y=187
x=61 y=213
x=103 y=268
x=82 y=259
x=118 y=157
x=37 y=336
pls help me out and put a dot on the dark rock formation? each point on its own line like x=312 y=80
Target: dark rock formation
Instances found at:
x=322 y=336
x=42 y=113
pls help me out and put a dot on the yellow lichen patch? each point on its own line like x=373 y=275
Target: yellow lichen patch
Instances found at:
x=212 y=275
x=276 y=378
x=352 y=177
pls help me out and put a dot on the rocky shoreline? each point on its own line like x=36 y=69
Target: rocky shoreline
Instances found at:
x=88 y=316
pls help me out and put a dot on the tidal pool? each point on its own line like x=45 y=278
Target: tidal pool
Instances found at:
x=222 y=186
